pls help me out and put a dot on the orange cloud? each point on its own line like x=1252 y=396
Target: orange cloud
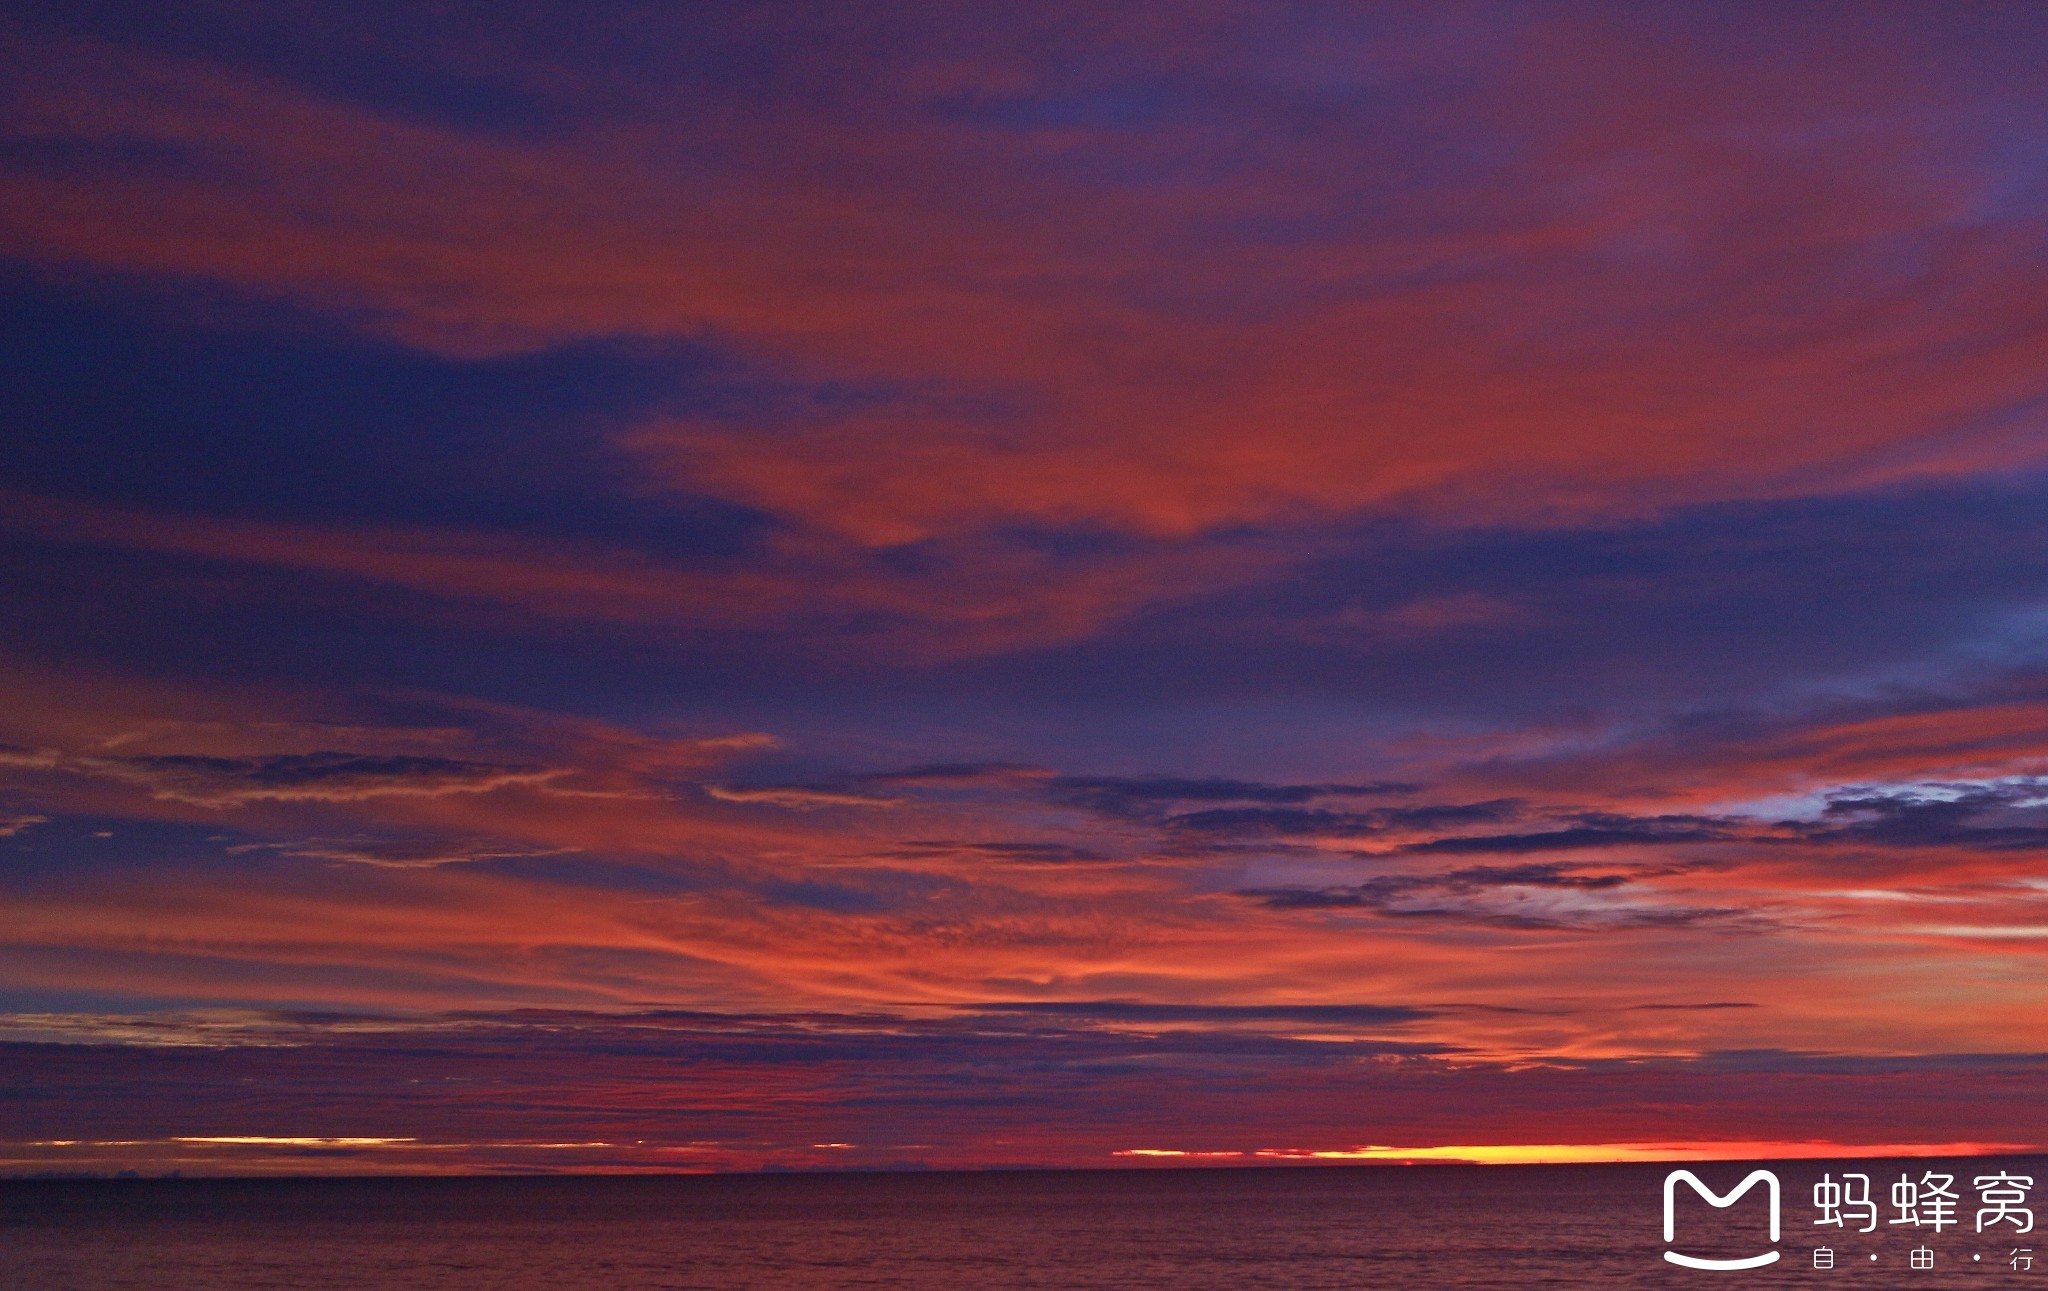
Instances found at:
x=496 y=854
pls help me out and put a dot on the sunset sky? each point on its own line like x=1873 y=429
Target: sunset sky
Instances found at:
x=679 y=587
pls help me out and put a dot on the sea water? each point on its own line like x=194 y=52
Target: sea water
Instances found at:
x=1184 y=1230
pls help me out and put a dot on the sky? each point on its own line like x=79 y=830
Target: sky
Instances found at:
x=785 y=586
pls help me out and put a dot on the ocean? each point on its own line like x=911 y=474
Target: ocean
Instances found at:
x=1188 y=1230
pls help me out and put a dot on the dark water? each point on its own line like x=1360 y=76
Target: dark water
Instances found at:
x=1526 y=1226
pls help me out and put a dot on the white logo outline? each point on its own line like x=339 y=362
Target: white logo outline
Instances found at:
x=1719 y=1202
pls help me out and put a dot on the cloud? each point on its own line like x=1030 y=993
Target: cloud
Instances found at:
x=1937 y=815
x=623 y=877
x=1598 y=830
x=1376 y=892
x=1535 y=897
x=392 y=854
x=1571 y=298
x=1119 y=796
x=1140 y=797
x=797 y=796
x=1135 y=1011
x=988 y=596
x=1810 y=749
x=946 y=774
x=1304 y=506
x=1008 y=853
x=1307 y=822
x=309 y=777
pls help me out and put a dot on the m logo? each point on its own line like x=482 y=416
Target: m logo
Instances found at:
x=1715 y=1199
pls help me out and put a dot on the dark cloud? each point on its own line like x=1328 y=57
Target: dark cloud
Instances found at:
x=1136 y=1011
x=1577 y=831
x=1116 y=795
x=1699 y=611
x=2009 y=815
x=1122 y=797
x=1595 y=830
x=1375 y=892
x=1285 y=821
x=1012 y=853
x=1498 y=896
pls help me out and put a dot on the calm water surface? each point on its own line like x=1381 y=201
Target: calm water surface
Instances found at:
x=1451 y=1226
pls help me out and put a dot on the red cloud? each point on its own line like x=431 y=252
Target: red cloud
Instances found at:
x=1698 y=278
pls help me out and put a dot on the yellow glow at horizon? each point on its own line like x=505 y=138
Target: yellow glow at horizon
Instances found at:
x=1601 y=1153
